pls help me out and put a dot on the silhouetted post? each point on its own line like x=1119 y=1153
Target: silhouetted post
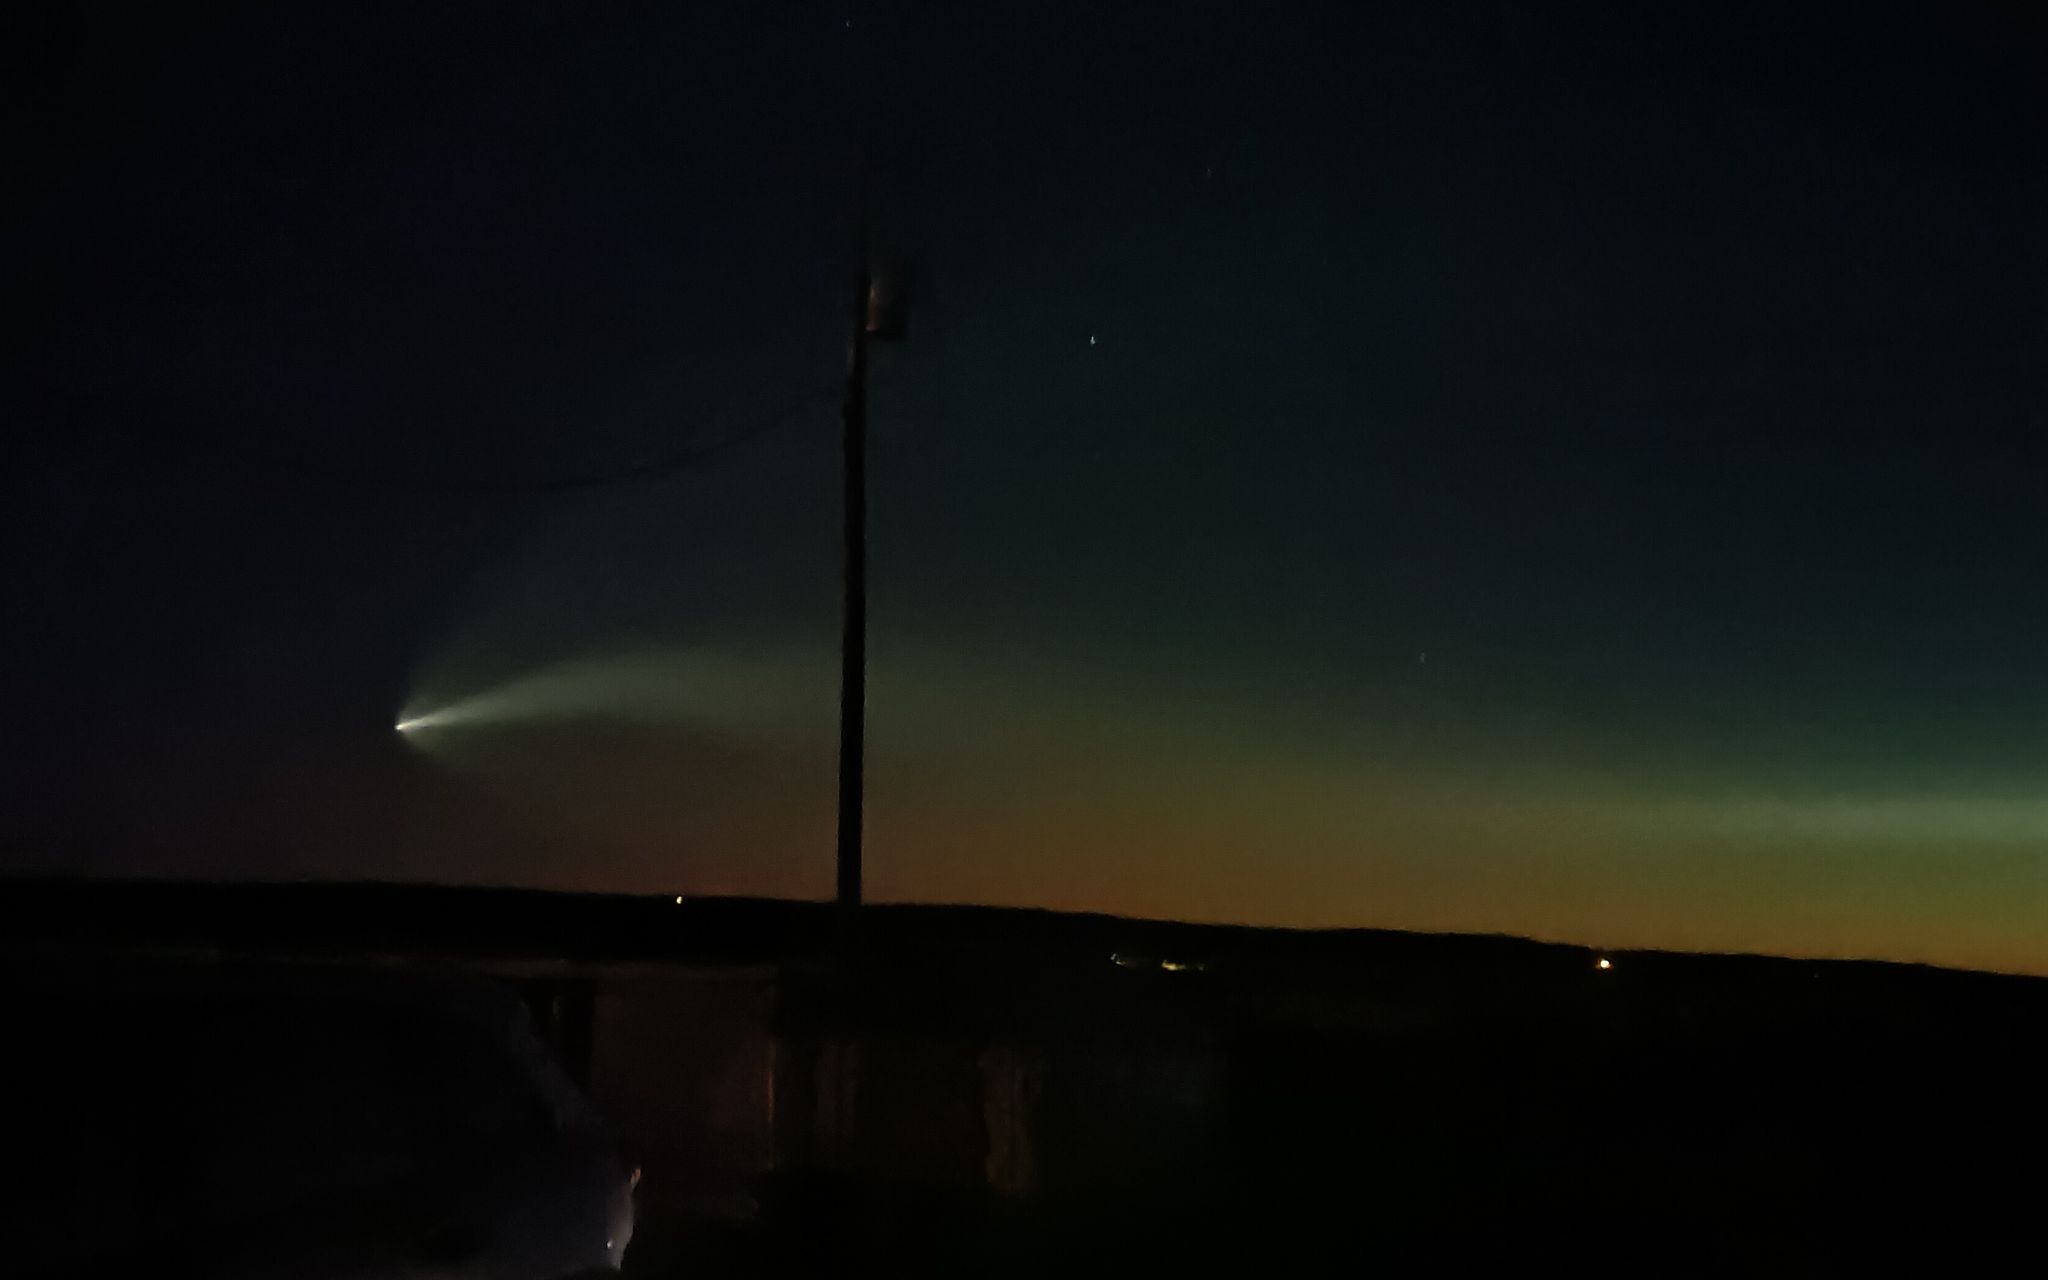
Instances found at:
x=853 y=646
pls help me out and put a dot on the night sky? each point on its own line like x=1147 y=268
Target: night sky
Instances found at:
x=1564 y=470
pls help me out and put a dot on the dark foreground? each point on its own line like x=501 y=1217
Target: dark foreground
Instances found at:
x=976 y=1092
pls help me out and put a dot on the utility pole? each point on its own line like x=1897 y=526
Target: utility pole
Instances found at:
x=853 y=645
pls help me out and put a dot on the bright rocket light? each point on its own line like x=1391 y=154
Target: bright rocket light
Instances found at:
x=411 y=725
x=778 y=695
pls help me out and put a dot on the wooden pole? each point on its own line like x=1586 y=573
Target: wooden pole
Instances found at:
x=853 y=649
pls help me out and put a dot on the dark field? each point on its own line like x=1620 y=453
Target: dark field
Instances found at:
x=976 y=1092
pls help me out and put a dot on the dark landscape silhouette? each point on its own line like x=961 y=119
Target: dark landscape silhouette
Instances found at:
x=1001 y=1091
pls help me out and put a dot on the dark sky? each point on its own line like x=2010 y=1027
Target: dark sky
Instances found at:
x=1438 y=465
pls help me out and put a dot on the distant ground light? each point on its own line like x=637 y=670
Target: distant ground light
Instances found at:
x=1125 y=960
x=1603 y=964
